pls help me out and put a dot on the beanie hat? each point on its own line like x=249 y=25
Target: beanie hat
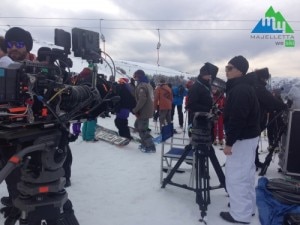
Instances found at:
x=140 y=76
x=209 y=69
x=204 y=71
x=241 y=63
x=123 y=80
x=19 y=34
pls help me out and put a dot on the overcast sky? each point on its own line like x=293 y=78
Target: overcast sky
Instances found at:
x=192 y=32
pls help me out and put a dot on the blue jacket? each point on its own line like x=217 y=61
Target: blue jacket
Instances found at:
x=178 y=95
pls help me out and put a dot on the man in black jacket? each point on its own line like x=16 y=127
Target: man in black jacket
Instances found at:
x=200 y=95
x=241 y=120
x=267 y=102
x=200 y=100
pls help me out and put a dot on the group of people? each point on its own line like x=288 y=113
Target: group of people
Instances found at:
x=245 y=111
x=244 y=117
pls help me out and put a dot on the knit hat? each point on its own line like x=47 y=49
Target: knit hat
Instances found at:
x=241 y=63
x=19 y=34
x=209 y=69
x=140 y=76
x=203 y=71
x=123 y=80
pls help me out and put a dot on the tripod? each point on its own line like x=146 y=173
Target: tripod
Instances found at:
x=203 y=151
x=42 y=199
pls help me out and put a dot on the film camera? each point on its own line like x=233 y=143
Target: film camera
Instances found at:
x=36 y=105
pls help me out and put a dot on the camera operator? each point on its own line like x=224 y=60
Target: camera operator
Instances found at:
x=267 y=102
x=277 y=121
x=241 y=120
x=19 y=44
x=200 y=100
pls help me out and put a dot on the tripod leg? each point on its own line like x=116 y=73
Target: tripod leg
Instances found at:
x=202 y=183
x=217 y=167
x=68 y=217
x=167 y=180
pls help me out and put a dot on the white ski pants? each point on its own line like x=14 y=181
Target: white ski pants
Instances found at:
x=240 y=179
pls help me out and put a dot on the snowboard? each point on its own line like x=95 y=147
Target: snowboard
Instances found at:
x=134 y=135
x=110 y=136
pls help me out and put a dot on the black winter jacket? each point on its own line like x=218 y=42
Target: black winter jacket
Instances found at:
x=241 y=112
x=200 y=97
x=127 y=99
x=267 y=103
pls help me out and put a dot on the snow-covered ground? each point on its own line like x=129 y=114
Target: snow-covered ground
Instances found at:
x=121 y=186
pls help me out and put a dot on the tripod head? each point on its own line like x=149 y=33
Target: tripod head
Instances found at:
x=41 y=186
x=201 y=129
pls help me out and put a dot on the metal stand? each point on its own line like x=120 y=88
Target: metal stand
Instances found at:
x=202 y=153
x=203 y=150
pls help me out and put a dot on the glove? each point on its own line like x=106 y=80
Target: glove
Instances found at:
x=73 y=137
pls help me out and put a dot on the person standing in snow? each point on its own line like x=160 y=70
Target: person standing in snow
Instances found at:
x=143 y=110
x=124 y=107
x=241 y=120
x=179 y=92
x=267 y=102
x=219 y=100
x=163 y=99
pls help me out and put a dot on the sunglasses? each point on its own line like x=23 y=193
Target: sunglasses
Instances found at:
x=17 y=44
x=229 y=68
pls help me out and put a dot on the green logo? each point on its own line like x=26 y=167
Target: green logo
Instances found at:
x=274 y=26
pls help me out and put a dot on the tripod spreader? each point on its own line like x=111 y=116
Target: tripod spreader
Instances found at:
x=202 y=152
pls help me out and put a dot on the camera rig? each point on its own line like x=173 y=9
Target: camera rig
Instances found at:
x=33 y=93
x=37 y=103
x=203 y=151
x=201 y=146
